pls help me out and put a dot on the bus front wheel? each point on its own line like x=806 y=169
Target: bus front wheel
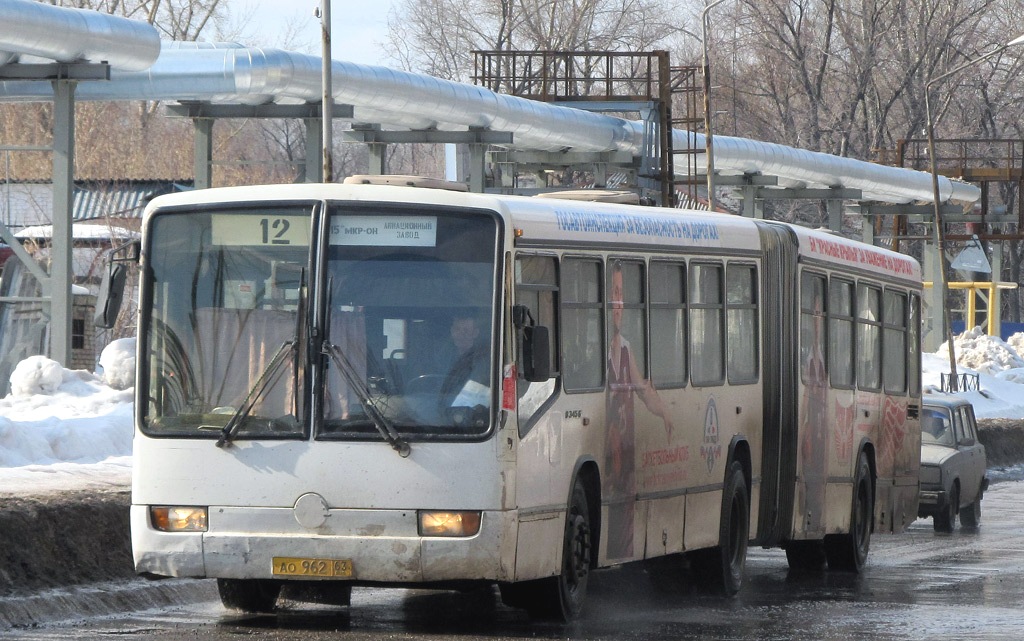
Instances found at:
x=254 y=596
x=560 y=597
x=849 y=552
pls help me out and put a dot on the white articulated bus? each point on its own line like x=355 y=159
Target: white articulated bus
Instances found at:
x=346 y=385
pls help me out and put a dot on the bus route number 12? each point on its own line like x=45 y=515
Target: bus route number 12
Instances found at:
x=275 y=231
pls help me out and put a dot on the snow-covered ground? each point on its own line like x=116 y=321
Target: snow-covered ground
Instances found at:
x=63 y=429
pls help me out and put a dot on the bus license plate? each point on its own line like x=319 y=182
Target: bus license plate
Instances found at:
x=291 y=566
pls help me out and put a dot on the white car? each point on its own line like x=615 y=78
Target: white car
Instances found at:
x=953 y=463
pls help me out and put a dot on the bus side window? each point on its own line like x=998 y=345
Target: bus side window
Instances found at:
x=813 y=338
x=869 y=337
x=537 y=289
x=894 y=342
x=582 y=327
x=741 y=321
x=840 y=333
x=707 y=317
x=668 y=324
x=630 y=305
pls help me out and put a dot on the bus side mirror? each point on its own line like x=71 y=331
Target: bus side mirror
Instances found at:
x=108 y=302
x=536 y=354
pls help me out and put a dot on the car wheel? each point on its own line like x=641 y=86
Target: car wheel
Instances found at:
x=970 y=516
x=945 y=520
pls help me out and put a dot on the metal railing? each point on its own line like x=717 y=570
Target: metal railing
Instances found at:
x=570 y=75
x=965 y=382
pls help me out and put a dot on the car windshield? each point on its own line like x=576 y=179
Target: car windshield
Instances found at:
x=936 y=427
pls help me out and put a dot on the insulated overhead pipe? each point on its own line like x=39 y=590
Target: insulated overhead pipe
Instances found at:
x=232 y=73
x=75 y=35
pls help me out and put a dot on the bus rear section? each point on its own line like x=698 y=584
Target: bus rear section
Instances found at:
x=852 y=427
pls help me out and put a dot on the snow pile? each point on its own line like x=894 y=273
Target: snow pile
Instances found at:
x=56 y=415
x=997 y=363
x=117 y=364
x=1017 y=342
x=986 y=354
x=36 y=375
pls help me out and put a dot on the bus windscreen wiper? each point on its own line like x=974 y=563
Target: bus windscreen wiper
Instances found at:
x=381 y=422
x=255 y=392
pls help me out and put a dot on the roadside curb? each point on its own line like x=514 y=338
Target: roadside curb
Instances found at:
x=81 y=602
x=64 y=538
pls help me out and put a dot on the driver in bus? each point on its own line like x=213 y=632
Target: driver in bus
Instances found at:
x=465 y=384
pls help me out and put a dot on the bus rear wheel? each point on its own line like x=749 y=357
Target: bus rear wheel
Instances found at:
x=560 y=597
x=723 y=565
x=254 y=596
x=849 y=552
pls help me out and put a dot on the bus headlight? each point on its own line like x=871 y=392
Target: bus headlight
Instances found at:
x=177 y=518
x=438 y=523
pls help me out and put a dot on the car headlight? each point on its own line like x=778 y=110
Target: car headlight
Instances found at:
x=168 y=518
x=931 y=474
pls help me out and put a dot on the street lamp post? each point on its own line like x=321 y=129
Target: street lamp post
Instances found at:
x=708 y=139
x=938 y=232
x=327 y=86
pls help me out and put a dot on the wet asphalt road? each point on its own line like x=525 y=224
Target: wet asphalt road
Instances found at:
x=918 y=585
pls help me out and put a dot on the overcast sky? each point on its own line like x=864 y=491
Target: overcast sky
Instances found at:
x=357 y=26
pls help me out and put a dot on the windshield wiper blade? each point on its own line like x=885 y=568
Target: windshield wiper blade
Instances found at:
x=380 y=421
x=255 y=392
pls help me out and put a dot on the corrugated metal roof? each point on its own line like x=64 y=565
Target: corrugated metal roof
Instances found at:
x=24 y=204
x=118 y=200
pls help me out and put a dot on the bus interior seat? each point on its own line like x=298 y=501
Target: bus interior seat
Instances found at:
x=246 y=340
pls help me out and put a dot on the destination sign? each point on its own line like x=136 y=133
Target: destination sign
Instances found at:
x=260 y=230
x=384 y=231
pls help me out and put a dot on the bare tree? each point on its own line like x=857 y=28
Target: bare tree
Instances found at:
x=439 y=36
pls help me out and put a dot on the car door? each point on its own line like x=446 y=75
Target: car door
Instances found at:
x=972 y=451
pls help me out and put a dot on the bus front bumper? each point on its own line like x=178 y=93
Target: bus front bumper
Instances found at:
x=374 y=546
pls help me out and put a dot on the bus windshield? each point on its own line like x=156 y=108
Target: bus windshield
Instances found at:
x=410 y=323
x=221 y=328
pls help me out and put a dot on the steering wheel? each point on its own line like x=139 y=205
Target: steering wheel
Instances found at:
x=425 y=384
